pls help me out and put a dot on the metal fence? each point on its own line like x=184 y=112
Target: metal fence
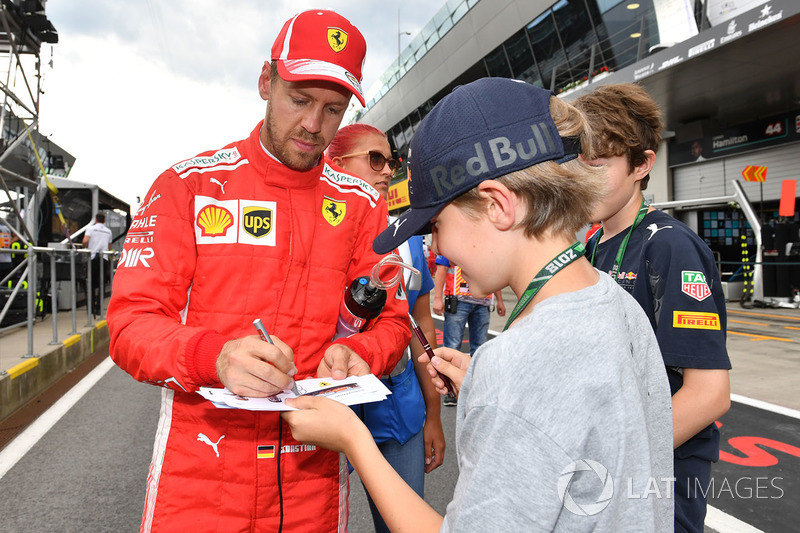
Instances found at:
x=30 y=281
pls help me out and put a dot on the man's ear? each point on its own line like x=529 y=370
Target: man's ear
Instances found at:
x=265 y=80
x=501 y=205
x=644 y=169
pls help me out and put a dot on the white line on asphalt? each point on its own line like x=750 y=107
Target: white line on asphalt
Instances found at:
x=725 y=523
x=752 y=402
x=26 y=440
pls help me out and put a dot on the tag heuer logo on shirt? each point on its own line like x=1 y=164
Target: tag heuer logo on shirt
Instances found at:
x=694 y=284
x=333 y=211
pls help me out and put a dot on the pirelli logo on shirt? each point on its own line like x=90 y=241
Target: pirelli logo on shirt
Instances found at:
x=234 y=221
x=695 y=320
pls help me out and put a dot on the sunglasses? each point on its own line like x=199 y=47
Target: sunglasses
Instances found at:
x=377 y=161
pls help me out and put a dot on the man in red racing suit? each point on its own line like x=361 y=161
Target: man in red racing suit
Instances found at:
x=222 y=239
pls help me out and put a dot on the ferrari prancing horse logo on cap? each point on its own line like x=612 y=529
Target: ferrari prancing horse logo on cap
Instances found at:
x=337 y=39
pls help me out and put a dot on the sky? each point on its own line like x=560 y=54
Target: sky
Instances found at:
x=139 y=85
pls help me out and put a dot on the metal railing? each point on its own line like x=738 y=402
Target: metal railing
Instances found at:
x=25 y=277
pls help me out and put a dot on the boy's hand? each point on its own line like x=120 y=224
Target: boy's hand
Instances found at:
x=341 y=361
x=449 y=362
x=433 y=435
x=324 y=422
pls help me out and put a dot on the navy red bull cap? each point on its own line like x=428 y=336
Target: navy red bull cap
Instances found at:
x=480 y=131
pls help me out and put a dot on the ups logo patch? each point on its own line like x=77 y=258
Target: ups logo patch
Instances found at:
x=257 y=221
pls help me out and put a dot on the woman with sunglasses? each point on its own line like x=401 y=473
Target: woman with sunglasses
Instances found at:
x=407 y=425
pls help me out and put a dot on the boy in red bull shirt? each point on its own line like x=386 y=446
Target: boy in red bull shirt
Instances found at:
x=672 y=274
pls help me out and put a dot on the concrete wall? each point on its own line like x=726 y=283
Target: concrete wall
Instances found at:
x=26 y=380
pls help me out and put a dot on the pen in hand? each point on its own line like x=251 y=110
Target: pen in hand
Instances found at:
x=262 y=331
x=427 y=347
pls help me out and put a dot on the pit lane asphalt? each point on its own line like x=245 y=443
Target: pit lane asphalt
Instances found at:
x=88 y=472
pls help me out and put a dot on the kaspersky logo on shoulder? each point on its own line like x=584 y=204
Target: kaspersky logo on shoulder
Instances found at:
x=694 y=284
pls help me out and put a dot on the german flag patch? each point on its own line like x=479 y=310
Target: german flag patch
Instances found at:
x=266 y=451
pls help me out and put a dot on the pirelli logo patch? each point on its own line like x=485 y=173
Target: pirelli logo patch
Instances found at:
x=695 y=320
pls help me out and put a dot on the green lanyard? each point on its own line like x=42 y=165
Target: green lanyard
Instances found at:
x=622 y=247
x=566 y=257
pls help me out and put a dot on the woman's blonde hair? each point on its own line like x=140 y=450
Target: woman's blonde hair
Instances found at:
x=560 y=198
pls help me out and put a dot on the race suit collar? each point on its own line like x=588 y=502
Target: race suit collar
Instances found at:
x=274 y=171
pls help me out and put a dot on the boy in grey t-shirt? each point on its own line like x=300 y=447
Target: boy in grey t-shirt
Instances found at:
x=564 y=420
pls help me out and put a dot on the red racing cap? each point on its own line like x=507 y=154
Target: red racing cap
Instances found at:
x=321 y=45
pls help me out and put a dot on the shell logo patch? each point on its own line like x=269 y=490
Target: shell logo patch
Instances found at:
x=257 y=221
x=214 y=221
x=694 y=284
x=337 y=39
x=694 y=320
x=333 y=211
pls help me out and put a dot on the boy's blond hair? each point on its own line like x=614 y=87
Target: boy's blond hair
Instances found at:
x=626 y=122
x=559 y=197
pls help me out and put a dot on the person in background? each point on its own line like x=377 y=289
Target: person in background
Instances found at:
x=537 y=400
x=263 y=228
x=407 y=425
x=594 y=228
x=671 y=272
x=6 y=263
x=460 y=309
x=98 y=239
